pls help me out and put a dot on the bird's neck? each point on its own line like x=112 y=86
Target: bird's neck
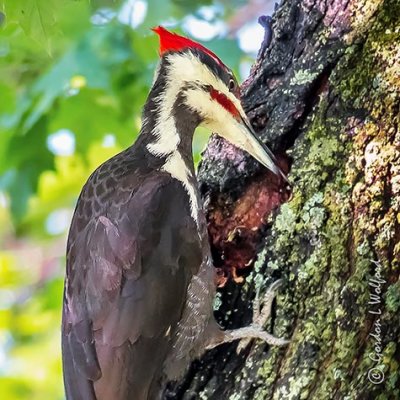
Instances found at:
x=168 y=125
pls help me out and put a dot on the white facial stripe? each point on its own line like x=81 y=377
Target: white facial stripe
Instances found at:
x=216 y=117
x=188 y=68
x=177 y=168
x=167 y=138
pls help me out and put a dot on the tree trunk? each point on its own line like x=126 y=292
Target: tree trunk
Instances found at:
x=325 y=95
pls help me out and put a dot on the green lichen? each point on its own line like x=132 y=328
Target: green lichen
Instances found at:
x=302 y=77
x=392 y=298
x=338 y=223
x=217 y=302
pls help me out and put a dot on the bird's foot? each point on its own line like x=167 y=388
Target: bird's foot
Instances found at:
x=261 y=314
x=255 y=330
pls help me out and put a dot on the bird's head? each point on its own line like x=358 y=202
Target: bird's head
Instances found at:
x=209 y=87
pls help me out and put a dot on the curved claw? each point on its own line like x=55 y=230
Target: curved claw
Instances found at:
x=275 y=285
x=260 y=317
x=269 y=294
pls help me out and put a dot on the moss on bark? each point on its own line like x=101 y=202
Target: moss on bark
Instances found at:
x=328 y=93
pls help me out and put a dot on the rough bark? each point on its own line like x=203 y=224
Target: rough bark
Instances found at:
x=325 y=95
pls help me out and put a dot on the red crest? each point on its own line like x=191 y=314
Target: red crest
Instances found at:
x=173 y=42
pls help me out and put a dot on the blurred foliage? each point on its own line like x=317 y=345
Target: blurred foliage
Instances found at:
x=75 y=75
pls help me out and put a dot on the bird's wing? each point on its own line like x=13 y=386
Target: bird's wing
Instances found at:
x=128 y=270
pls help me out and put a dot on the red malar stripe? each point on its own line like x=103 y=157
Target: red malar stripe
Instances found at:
x=225 y=102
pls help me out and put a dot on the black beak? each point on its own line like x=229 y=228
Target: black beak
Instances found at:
x=256 y=148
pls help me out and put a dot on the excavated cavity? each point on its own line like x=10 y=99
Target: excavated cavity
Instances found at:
x=238 y=208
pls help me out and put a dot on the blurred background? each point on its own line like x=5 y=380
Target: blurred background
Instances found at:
x=74 y=77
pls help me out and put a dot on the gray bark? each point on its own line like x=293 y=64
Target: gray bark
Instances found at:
x=325 y=95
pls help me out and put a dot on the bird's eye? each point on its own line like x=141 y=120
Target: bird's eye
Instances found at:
x=231 y=84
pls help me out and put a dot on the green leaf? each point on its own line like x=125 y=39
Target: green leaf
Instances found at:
x=25 y=166
x=102 y=52
x=157 y=12
x=36 y=17
x=228 y=51
x=72 y=113
x=187 y=7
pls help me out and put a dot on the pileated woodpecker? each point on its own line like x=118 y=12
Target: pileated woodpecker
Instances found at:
x=140 y=282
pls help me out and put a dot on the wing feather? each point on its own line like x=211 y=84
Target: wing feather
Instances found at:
x=128 y=270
